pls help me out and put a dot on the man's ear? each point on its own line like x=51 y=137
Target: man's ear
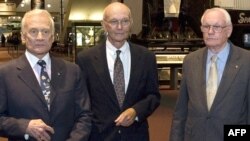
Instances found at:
x=23 y=37
x=103 y=26
x=230 y=30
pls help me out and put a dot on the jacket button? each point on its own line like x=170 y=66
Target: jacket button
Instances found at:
x=119 y=131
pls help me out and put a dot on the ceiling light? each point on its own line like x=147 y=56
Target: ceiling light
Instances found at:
x=48 y=5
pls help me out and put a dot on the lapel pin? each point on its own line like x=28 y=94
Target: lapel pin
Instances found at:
x=58 y=73
x=236 y=66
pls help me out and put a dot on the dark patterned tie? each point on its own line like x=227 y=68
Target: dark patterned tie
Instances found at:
x=119 y=83
x=45 y=82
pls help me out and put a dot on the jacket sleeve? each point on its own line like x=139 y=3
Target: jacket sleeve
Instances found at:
x=82 y=127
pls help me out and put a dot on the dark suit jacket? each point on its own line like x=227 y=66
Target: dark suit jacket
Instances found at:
x=192 y=121
x=21 y=99
x=142 y=93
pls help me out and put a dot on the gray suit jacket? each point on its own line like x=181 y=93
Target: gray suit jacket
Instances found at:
x=21 y=99
x=192 y=121
x=142 y=93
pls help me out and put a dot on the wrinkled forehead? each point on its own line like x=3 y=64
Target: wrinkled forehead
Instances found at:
x=214 y=17
x=117 y=12
x=35 y=21
x=118 y=15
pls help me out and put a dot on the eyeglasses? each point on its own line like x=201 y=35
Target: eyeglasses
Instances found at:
x=123 y=22
x=215 y=28
x=34 y=32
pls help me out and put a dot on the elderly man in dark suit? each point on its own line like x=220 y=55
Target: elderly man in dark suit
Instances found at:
x=214 y=92
x=120 y=107
x=42 y=103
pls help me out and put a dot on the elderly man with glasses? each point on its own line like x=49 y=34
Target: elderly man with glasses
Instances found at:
x=122 y=81
x=215 y=88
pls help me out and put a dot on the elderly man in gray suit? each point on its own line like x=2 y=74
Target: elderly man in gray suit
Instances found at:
x=213 y=92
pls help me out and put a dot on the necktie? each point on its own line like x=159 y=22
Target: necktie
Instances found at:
x=119 y=83
x=212 y=82
x=45 y=82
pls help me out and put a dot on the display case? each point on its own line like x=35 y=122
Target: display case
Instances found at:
x=87 y=34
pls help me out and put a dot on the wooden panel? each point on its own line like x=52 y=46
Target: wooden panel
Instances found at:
x=3 y=139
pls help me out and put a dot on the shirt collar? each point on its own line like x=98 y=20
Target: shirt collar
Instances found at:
x=33 y=59
x=113 y=48
x=222 y=55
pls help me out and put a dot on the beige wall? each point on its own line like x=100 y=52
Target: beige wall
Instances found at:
x=87 y=10
x=136 y=10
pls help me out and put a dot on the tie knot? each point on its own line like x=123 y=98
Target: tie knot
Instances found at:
x=42 y=63
x=118 y=52
x=214 y=58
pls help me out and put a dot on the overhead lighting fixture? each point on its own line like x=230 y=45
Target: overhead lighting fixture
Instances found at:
x=14 y=18
x=48 y=5
x=23 y=3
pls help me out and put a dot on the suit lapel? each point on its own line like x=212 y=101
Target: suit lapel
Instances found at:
x=135 y=70
x=27 y=75
x=231 y=69
x=99 y=62
x=200 y=72
x=57 y=76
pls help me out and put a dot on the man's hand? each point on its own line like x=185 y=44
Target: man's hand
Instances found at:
x=126 y=118
x=39 y=130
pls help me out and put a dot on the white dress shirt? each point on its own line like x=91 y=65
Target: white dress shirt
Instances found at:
x=32 y=59
x=125 y=58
